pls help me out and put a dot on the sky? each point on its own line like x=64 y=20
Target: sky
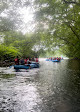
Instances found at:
x=28 y=19
x=25 y=11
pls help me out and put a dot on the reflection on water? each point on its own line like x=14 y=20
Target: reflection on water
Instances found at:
x=55 y=87
x=26 y=97
x=6 y=76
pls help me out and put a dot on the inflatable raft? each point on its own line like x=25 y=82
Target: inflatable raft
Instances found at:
x=34 y=65
x=48 y=59
x=53 y=60
x=29 y=66
x=56 y=60
x=21 y=67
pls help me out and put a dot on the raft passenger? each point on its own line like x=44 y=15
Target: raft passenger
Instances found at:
x=22 y=61
x=16 y=60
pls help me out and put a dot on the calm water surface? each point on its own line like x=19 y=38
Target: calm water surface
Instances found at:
x=54 y=87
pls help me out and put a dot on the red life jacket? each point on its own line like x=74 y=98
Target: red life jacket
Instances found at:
x=16 y=59
x=25 y=61
x=36 y=59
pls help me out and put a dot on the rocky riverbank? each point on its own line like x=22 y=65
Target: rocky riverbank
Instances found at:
x=6 y=63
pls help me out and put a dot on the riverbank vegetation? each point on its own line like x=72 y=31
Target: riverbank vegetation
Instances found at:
x=57 y=29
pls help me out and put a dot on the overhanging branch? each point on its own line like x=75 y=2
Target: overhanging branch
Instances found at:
x=71 y=2
x=74 y=32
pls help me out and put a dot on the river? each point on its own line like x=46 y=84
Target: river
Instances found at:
x=54 y=87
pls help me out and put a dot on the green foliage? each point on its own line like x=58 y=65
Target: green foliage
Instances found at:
x=8 y=53
x=16 y=44
x=60 y=20
x=7 y=76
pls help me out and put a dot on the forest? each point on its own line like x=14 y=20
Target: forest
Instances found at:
x=56 y=31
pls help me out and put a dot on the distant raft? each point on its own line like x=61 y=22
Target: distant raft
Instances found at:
x=55 y=60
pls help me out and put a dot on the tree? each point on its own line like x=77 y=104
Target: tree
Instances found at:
x=8 y=53
x=10 y=17
x=61 y=24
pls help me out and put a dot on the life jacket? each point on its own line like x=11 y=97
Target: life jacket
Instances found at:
x=25 y=61
x=16 y=59
x=36 y=59
x=57 y=58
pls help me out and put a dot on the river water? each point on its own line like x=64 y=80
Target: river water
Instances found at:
x=54 y=87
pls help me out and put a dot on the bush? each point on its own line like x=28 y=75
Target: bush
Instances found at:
x=8 y=53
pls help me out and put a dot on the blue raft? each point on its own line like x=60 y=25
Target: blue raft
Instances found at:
x=34 y=65
x=29 y=66
x=48 y=59
x=56 y=60
x=53 y=60
x=21 y=67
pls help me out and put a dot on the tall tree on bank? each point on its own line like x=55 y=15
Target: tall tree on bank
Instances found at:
x=60 y=21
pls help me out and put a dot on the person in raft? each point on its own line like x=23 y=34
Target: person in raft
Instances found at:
x=36 y=60
x=29 y=61
x=16 y=60
x=22 y=61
